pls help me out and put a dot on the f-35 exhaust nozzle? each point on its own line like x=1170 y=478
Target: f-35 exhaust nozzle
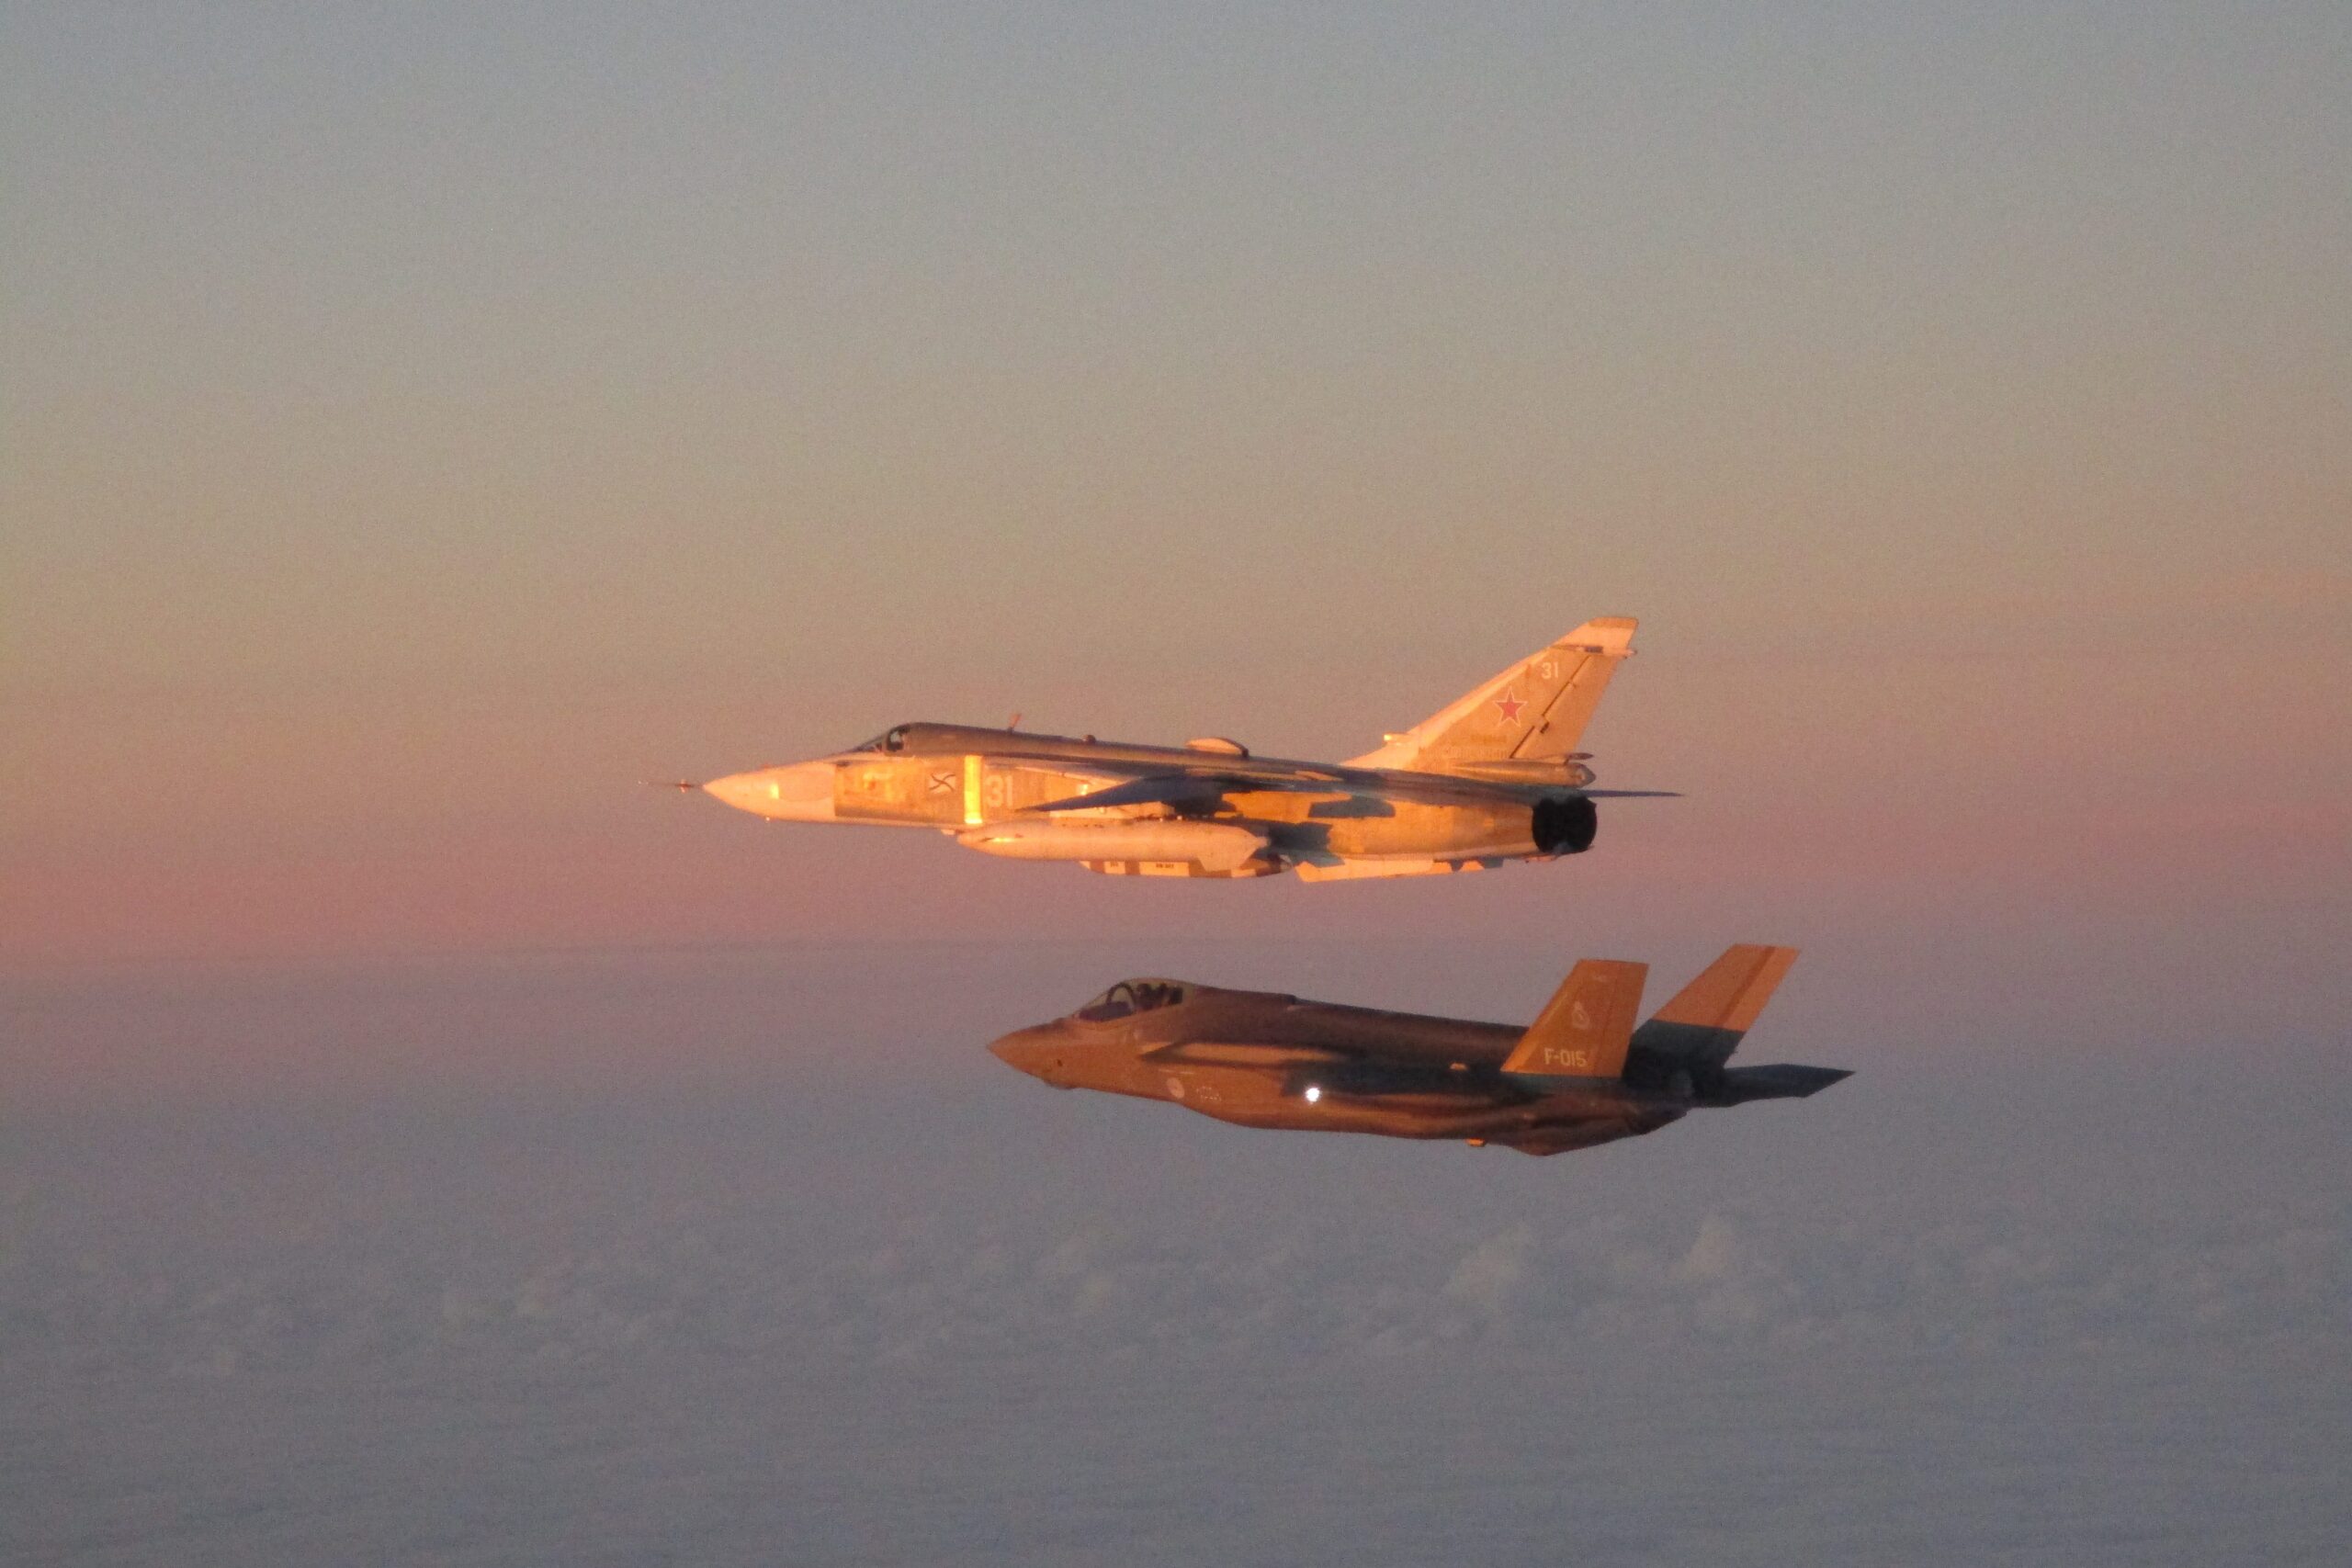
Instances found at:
x=1148 y=848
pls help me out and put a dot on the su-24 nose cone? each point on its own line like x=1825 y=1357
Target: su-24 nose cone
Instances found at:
x=800 y=791
x=738 y=790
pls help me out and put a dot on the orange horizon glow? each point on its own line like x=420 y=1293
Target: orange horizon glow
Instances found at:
x=382 y=508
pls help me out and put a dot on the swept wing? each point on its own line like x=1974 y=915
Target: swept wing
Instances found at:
x=1194 y=788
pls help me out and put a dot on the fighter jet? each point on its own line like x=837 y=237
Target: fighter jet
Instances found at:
x=1492 y=777
x=1580 y=1074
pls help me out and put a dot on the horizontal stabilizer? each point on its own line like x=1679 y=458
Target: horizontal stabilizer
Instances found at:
x=1585 y=1029
x=1702 y=1025
x=1781 y=1080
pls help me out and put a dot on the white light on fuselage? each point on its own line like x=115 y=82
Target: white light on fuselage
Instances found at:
x=1314 y=1093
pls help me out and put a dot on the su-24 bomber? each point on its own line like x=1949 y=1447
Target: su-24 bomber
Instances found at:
x=1580 y=1074
x=1495 y=776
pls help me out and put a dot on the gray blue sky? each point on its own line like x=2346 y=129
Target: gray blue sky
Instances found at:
x=419 y=424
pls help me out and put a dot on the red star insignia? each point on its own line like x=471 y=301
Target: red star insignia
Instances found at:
x=1509 y=705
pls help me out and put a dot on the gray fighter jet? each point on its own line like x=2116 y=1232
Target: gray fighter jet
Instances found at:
x=1495 y=776
x=1582 y=1073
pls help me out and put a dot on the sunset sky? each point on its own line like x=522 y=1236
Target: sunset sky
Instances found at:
x=421 y=428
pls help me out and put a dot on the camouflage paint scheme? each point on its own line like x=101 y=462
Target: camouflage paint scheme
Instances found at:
x=1582 y=1073
x=1492 y=777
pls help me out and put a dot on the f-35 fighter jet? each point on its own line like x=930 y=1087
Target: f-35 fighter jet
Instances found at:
x=1495 y=776
x=1582 y=1073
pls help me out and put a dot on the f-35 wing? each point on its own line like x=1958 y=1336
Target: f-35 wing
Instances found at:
x=1224 y=1053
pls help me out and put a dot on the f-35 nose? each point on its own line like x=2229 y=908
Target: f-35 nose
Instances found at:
x=1036 y=1052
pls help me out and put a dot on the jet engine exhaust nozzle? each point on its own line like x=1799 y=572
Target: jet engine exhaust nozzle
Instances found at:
x=1565 y=826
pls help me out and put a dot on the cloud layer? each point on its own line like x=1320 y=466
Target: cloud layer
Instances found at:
x=979 y=1321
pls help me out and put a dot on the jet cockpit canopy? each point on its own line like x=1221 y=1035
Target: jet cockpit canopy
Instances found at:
x=1130 y=997
x=894 y=740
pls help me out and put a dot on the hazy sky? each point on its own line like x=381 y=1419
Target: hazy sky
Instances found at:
x=422 y=424
x=2022 y=1300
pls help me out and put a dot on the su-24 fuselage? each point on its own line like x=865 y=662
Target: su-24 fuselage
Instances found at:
x=1493 y=777
x=1580 y=1074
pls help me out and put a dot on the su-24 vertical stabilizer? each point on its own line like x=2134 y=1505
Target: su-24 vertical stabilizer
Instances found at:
x=1532 y=713
x=1585 y=1031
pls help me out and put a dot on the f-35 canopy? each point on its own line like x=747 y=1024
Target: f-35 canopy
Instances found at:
x=1131 y=997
